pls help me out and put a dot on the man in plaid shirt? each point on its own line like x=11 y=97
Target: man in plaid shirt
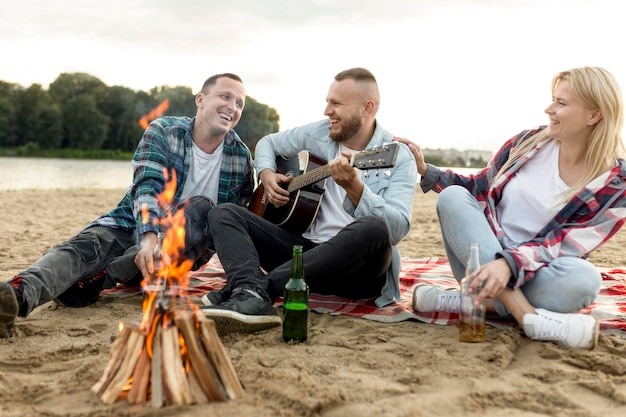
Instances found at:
x=209 y=163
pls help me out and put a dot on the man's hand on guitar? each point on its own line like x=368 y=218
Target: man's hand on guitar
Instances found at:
x=296 y=210
x=272 y=181
x=347 y=176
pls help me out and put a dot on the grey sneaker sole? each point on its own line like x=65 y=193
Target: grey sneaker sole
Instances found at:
x=229 y=321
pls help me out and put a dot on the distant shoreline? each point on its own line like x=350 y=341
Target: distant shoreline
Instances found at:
x=97 y=154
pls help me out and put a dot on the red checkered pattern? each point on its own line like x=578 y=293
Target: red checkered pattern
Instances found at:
x=609 y=307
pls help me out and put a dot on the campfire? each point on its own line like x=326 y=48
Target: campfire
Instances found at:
x=155 y=113
x=174 y=355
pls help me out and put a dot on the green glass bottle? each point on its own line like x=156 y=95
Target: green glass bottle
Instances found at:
x=296 y=301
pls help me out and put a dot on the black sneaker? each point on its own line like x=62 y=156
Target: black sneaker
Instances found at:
x=83 y=293
x=244 y=312
x=8 y=308
x=215 y=298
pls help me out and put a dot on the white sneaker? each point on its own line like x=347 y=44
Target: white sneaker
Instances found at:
x=569 y=330
x=427 y=299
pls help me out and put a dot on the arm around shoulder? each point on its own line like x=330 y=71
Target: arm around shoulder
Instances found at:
x=390 y=195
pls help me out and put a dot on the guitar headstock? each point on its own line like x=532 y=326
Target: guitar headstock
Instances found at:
x=383 y=157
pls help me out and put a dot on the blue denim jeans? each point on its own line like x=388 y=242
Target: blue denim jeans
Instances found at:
x=101 y=248
x=352 y=264
x=565 y=285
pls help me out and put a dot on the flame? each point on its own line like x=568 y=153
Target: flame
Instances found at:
x=128 y=385
x=145 y=216
x=151 y=368
x=184 y=353
x=155 y=113
x=169 y=282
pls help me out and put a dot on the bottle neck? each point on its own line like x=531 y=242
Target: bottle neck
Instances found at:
x=297 y=270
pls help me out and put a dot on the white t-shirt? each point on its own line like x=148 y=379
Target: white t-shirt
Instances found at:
x=204 y=173
x=331 y=217
x=532 y=197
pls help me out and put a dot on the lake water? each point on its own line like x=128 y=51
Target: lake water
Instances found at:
x=52 y=173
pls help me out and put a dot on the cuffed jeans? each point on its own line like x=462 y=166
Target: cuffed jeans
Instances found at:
x=101 y=248
x=352 y=264
x=565 y=285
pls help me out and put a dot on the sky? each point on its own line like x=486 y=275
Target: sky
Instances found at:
x=465 y=74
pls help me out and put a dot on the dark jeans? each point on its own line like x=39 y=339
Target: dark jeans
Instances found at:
x=101 y=248
x=352 y=264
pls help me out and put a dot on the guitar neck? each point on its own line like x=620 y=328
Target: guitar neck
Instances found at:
x=383 y=157
x=309 y=178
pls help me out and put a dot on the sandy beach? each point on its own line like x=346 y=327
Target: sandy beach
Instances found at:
x=348 y=367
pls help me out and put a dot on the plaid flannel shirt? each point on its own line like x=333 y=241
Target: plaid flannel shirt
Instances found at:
x=166 y=146
x=586 y=221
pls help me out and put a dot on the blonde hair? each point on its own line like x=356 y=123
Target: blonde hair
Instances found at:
x=596 y=89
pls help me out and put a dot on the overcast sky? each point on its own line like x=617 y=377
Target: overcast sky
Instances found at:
x=467 y=74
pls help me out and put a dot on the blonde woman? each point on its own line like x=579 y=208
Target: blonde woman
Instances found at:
x=548 y=198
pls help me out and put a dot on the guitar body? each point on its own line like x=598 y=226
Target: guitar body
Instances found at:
x=298 y=214
x=306 y=189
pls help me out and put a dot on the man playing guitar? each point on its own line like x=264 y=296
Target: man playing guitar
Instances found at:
x=350 y=247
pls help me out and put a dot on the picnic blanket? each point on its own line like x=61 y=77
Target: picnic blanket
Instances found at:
x=609 y=307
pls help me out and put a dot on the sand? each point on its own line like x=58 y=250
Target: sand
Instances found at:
x=348 y=367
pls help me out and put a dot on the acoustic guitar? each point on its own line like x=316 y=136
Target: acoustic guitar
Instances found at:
x=307 y=187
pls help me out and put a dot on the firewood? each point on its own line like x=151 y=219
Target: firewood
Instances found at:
x=177 y=358
x=199 y=397
x=173 y=374
x=116 y=353
x=200 y=365
x=135 y=343
x=138 y=393
x=156 y=370
x=218 y=356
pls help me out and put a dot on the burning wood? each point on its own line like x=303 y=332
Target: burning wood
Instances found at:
x=174 y=356
x=179 y=361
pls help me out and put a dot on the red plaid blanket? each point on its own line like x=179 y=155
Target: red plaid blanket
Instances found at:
x=609 y=307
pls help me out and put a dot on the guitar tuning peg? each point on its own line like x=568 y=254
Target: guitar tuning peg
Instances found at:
x=377 y=172
x=388 y=172
x=366 y=174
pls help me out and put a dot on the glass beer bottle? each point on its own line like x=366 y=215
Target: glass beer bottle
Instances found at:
x=471 y=316
x=296 y=301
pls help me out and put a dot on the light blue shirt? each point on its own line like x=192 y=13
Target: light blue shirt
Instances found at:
x=387 y=196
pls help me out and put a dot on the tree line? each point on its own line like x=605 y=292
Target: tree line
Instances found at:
x=80 y=112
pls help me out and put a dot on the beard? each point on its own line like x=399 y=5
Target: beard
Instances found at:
x=349 y=128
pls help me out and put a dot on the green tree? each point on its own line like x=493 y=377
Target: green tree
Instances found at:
x=119 y=105
x=144 y=102
x=86 y=127
x=257 y=121
x=79 y=111
x=9 y=109
x=81 y=99
x=181 y=100
x=70 y=85
x=8 y=135
x=32 y=102
x=477 y=162
x=47 y=127
x=434 y=160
